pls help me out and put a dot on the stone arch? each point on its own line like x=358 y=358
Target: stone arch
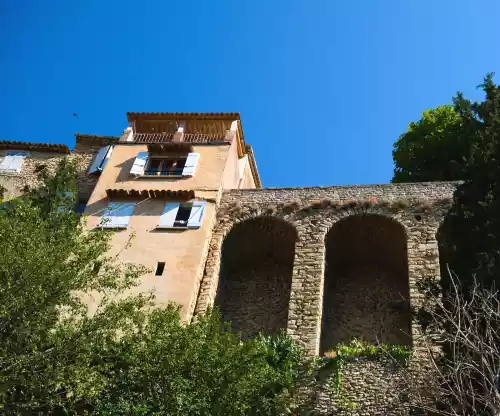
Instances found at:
x=366 y=284
x=255 y=275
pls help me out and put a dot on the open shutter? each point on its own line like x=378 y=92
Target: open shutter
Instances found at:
x=139 y=164
x=99 y=159
x=118 y=215
x=108 y=154
x=167 y=219
x=190 y=166
x=13 y=161
x=196 y=216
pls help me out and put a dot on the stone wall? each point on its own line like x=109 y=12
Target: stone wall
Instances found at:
x=381 y=244
x=371 y=387
x=85 y=150
x=366 y=282
x=256 y=276
x=16 y=183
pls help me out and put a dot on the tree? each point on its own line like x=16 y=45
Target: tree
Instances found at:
x=462 y=378
x=471 y=231
x=461 y=143
x=431 y=149
x=127 y=358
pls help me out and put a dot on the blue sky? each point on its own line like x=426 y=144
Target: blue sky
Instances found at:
x=324 y=88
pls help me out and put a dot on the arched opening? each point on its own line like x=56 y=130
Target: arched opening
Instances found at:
x=366 y=288
x=256 y=275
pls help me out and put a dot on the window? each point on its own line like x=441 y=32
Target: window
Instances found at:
x=144 y=165
x=12 y=162
x=159 y=268
x=177 y=215
x=117 y=215
x=166 y=166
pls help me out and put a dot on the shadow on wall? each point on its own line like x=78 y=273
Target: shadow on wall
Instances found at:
x=256 y=275
x=366 y=287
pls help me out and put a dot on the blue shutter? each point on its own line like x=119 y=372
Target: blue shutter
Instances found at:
x=196 y=216
x=106 y=157
x=118 y=214
x=140 y=163
x=167 y=219
x=190 y=166
x=99 y=159
x=13 y=161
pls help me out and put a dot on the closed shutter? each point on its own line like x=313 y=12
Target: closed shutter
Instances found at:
x=13 y=162
x=6 y=162
x=167 y=219
x=100 y=159
x=196 y=216
x=190 y=166
x=140 y=163
x=118 y=214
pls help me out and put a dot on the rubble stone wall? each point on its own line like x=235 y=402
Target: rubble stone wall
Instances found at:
x=15 y=183
x=375 y=243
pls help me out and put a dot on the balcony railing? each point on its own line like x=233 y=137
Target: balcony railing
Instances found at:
x=164 y=172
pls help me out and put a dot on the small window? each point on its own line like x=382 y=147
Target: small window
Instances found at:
x=159 y=268
x=165 y=166
x=183 y=214
x=177 y=215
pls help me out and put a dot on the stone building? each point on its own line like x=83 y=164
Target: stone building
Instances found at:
x=326 y=264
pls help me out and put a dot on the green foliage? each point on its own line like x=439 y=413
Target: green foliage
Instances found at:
x=431 y=149
x=461 y=142
x=470 y=234
x=126 y=358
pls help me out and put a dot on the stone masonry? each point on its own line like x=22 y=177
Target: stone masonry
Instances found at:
x=358 y=253
x=40 y=157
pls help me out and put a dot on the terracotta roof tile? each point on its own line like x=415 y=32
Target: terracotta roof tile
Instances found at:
x=39 y=147
x=233 y=116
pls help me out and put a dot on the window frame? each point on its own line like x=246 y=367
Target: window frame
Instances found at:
x=163 y=159
x=170 y=214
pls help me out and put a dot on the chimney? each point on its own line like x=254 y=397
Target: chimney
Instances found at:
x=127 y=135
x=179 y=134
x=231 y=133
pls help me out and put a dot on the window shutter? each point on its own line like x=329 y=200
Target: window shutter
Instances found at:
x=6 y=162
x=99 y=159
x=117 y=215
x=139 y=164
x=105 y=161
x=191 y=162
x=13 y=161
x=196 y=217
x=167 y=219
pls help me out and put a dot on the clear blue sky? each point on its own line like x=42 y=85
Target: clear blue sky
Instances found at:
x=324 y=88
